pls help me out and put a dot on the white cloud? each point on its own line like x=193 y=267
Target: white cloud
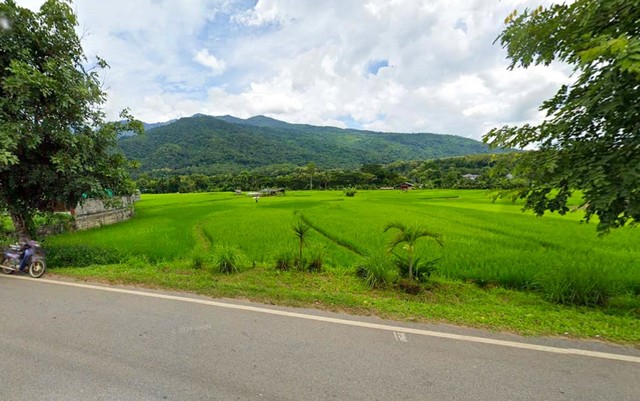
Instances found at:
x=307 y=61
x=209 y=60
x=264 y=12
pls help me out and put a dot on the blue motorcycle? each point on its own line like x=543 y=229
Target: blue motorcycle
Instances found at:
x=27 y=257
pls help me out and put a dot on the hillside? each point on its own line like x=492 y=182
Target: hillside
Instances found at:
x=206 y=144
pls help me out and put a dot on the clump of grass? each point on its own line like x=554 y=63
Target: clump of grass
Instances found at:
x=575 y=285
x=350 y=192
x=227 y=259
x=285 y=261
x=197 y=261
x=137 y=262
x=378 y=271
x=82 y=255
x=316 y=260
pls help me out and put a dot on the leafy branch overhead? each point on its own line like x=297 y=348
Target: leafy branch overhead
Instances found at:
x=589 y=140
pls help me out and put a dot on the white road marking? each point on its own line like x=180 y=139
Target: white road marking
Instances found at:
x=400 y=337
x=355 y=323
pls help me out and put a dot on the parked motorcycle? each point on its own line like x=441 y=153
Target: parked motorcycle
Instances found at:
x=12 y=257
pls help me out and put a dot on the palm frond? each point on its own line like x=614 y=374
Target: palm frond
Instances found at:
x=396 y=225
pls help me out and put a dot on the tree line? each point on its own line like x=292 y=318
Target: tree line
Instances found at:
x=471 y=172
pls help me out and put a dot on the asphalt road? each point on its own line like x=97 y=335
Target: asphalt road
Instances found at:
x=60 y=342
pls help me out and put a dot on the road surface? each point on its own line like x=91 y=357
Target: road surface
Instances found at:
x=70 y=341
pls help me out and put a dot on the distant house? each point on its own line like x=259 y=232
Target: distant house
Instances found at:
x=471 y=177
x=272 y=191
x=405 y=186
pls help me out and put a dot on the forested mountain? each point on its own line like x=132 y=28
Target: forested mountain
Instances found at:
x=210 y=145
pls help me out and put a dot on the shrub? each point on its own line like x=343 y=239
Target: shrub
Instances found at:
x=52 y=223
x=285 y=260
x=227 y=259
x=197 y=260
x=301 y=231
x=82 y=255
x=350 y=192
x=378 y=271
x=316 y=260
x=422 y=270
x=408 y=236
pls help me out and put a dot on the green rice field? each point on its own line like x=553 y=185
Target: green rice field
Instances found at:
x=496 y=260
x=488 y=243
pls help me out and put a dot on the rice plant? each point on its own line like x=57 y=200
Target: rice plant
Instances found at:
x=227 y=259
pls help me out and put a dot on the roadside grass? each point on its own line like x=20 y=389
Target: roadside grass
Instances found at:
x=337 y=289
x=490 y=250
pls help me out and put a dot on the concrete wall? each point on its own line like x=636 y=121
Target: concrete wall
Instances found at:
x=93 y=213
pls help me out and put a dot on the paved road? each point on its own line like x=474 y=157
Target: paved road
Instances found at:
x=60 y=342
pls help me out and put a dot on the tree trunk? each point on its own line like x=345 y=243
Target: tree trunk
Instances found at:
x=23 y=224
x=300 y=259
x=411 y=266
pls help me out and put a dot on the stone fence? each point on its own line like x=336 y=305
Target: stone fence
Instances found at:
x=94 y=213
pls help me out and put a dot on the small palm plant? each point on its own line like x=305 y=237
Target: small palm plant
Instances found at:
x=409 y=235
x=301 y=230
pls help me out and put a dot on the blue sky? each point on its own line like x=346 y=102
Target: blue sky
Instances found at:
x=392 y=65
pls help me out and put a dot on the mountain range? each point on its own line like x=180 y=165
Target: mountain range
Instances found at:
x=211 y=145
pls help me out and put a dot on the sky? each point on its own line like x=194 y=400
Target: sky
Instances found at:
x=393 y=66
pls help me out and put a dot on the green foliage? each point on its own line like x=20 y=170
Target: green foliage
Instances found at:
x=198 y=260
x=422 y=269
x=316 y=259
x=589 y=140
x=378 y=270
x=54 y=143
x=227 y=259
x=488 y=244
x=492 y=171
x=301 y=231
x=345 y=243
x=350 y=192
x=285 y=260
x=576 y=286
x=49 y=223
x=210 y=145
x=82 y=255
x=408 y=236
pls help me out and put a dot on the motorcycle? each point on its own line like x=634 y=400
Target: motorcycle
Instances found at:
x=12 y=257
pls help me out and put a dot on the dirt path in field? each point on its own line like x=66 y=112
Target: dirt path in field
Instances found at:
x=202 y=238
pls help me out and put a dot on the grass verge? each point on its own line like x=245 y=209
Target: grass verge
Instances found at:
x=441 y=301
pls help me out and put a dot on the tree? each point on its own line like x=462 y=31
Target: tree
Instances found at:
x=311 y=170
x=301 y=231
x=54 y=143
x=590 y=138
x=409 y=235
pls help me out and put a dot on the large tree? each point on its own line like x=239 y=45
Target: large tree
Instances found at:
x=55 y=145
x=590 y=138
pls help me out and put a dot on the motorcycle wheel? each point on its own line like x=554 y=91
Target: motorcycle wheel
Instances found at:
x=5 y=262
x=37 y=268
